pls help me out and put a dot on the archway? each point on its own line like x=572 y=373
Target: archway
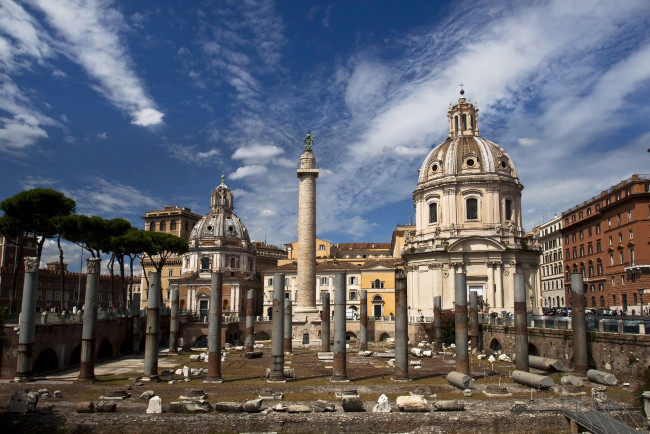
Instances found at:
x=495 y=345
x=383 y=337
x=105 y=350
x=350 y=336
x=46 y=361
x=532 y=350
x=75 y=356
x=377 y=306
x=127 y=346
x=201 y=342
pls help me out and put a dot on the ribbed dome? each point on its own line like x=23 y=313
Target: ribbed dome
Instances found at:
x=469 y=155
x=215 y=225
x=465 y=152
x=221 y=221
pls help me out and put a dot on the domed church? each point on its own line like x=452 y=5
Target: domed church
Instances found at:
x=219 y=241
x=468 y=220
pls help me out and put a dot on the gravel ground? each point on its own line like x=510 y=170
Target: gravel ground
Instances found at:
x=245 y=380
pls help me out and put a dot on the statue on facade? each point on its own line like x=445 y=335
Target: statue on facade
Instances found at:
x=309 y=139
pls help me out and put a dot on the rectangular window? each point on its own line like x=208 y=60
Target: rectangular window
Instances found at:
x=582 y=234
x=321 y=247
x=631 y=234
x=170 y=273
x=598 y=229
x=352 y=295
x=472 y=208
x=324 y=280
x=354 y=280
x=269 y=281
x=48 y=295
x=57 y=295
x=433 y=212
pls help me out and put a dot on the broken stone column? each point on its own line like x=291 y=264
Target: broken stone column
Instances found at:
x=521 y=329
x=173 y=322
x=363 y=320
x=340 y=372
x=25 y=360
x=288 y=322
x=462 y=381
x=437 y=323
x=249 y=340
x=214 y=329
x=401 y=330
x=473 y=318
x=579 y=324
x=276 y=373
x=87 y=360
x=325 y=324
x=462 y=359
x=153 y=324
x=601 y=377
x=532 y=380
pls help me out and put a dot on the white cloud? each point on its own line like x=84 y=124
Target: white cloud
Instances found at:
x=90 y=35
x=20 y=132
x=111 y=199
x=527 y=141
x=246 y=171
x=103 y=135
x=191 y=155
x=256 y=153
x=147 y=117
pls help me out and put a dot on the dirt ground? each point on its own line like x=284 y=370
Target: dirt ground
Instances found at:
x=245 y=379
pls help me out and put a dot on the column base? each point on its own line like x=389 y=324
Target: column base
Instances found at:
x=400 y=379
x=215 y=380
x=150 y=379
x=339 y=380
x=26 y=379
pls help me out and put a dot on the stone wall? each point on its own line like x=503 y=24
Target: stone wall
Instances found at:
x=618 y=353
x=58 y=346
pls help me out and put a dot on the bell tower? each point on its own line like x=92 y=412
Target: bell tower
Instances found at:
x=222 y=200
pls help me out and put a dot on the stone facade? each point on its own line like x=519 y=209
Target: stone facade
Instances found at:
x=551 y=274
x=468 y=220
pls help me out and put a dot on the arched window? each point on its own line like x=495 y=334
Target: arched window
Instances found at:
x=433 y=212
x=593 y=301
x=233 y=263
x=464 y=122
x=471 y=208
x=602 y=301
x=508 y=209
x=456 y=124
x=152 y=227
x=172 y=225
x=205 y=263
x=163 y=226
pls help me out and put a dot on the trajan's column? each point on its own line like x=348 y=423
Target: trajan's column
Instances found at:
x=306 y=274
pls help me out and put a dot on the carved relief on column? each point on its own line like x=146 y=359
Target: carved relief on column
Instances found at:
x=93 y=265
x=435 y=266
x=31 y=264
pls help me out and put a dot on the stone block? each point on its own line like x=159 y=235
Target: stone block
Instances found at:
x=382 y=406
x=106 y=407
x=22 y=401
x=352 y=404
x=228 y=406
x=147 y=394
x=155 y=405
x=252 y=406
x=323 y=407
x=412 y=404
x=298 y=408
x=449 y=405
x=85 y=407
x=195 y=406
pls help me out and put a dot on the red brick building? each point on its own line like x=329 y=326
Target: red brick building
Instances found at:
x=606 y=239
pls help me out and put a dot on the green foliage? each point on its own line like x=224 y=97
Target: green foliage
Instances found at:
x=159 y=246
x=32 y=213
x=524 y=244
x=91 y=233
x=632 y=359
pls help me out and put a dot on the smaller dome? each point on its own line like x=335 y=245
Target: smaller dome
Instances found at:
x=221 y=222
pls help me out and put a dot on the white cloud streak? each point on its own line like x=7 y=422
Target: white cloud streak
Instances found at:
x=90 y=36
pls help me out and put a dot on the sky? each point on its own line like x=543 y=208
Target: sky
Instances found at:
x=128 y=107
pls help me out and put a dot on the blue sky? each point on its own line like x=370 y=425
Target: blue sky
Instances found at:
x=131 y=106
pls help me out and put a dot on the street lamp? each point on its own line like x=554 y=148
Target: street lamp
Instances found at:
x=641 y=289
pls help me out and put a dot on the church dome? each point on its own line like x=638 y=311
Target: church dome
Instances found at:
x=221 y=222
x=465 y=152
